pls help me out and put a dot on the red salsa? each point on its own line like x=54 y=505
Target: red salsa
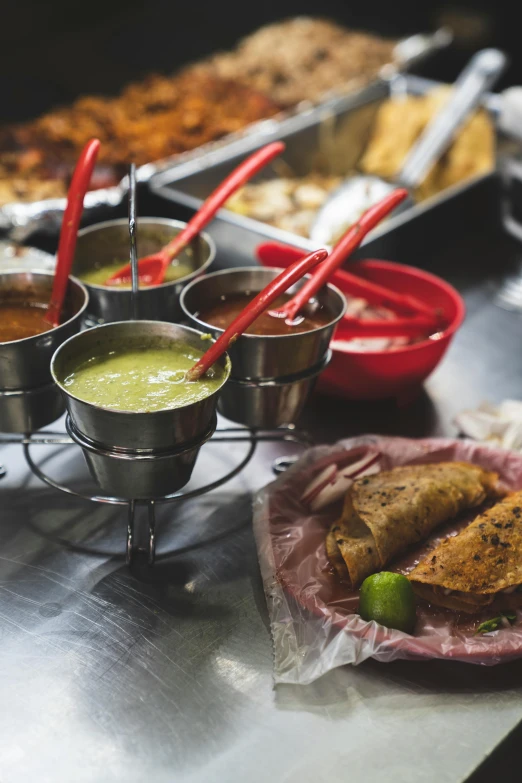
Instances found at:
x=221 y=314
x=22 y=318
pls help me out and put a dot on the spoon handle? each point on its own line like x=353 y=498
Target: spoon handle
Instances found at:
x=69 y=231
x=253 y=309
x=478 y=76
x=350 y=241
x=221 y=194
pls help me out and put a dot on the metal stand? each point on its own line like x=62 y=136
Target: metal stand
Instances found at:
x=134 y=547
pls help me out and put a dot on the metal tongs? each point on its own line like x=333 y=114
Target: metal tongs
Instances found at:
x=362 y=191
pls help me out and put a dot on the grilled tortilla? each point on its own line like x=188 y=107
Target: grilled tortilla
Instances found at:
x=385 y=513
x=475 y=568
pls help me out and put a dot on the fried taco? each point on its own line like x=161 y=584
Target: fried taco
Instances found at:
x=481 y=566
x=386 y=513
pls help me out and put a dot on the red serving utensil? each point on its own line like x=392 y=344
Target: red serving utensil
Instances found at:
x=274 y=254
x=152 y=269
x=69 y=231
x=253 y=309
x=349 y=242
x=350 y=328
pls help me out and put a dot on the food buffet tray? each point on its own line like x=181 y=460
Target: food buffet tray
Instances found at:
x=338 y=129
x=22 y=219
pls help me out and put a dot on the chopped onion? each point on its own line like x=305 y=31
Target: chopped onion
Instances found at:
x=324 y=478
x=334 y=491
x=359 y=467
x=332 y=484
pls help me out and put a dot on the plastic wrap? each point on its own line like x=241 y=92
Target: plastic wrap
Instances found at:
x=313 y=617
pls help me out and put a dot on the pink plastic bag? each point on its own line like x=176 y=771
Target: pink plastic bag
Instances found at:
x=312 y=615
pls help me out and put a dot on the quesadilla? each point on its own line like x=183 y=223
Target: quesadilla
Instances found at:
x=481 y=566
x=385 y=513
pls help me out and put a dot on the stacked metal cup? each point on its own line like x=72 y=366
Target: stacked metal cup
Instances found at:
x=272 y=376
x=29 y=399
x=134 y=455
x=106 y=243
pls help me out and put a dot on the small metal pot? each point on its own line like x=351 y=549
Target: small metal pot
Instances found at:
x=269 y=404
x=140 y=475
x=111 y=429
x=105 y=243
x=30 y=409
x=272 y=376
x=25 y=364
x=257 y=357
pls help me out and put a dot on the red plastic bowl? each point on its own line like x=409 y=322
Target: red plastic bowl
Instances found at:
x=400 y=372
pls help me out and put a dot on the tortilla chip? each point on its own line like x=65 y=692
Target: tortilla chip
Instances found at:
x=399 y=123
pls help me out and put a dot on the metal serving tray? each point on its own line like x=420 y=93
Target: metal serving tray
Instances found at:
x=22 y=219
x=337 y=130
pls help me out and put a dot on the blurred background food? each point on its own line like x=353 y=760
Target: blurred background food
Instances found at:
x=303 y=59
x=400 y=122
x=276 y=67
x=152 y=119
x=291 y=202
x=249 y=62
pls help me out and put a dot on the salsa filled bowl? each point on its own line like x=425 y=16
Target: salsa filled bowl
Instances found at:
x=124 y=385
x=104 y=248
x=274 y=366
x=27 y=346
x=263 y=356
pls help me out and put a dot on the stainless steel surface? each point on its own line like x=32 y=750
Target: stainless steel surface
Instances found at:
x=135 y=475
x=110 y=674
x=24 y=363
x=31 y=409
x=344 y=205
x=267 y=404
x=333 y=130
x=164 y=429
x=479 y=76
x=21 y=219
x=106 y=242
x=255 y=357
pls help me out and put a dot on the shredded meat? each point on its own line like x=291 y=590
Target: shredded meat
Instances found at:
x=275 y=67
x=303 y=58
x=150 y=120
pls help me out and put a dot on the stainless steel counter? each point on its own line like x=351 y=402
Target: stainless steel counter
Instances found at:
x=165 y=674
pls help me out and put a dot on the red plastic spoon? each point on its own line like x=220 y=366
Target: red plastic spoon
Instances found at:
x=272 y=254
x=152 y=268
x=351 y=328
x=253 y=309
x=349 y=242
x=69 y=231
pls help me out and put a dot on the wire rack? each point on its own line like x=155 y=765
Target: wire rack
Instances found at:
x=287 y=433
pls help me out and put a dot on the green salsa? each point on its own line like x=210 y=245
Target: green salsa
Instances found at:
x=99 y=275
x=142 y=379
